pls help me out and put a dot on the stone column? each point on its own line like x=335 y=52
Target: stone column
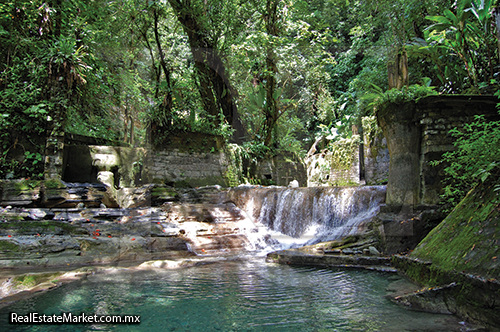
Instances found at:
x=400 y=124
x=54 y=156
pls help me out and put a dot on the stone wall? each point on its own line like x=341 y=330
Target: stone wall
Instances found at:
x=338 y=163
x=375 y=153
x=438 y=115
x=124 y=167
x=194 y=169
x=345 y=168
x=135 y=166
x=418 y=133
x=282 y=169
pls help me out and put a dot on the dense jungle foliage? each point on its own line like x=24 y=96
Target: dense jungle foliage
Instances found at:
x=272 y=75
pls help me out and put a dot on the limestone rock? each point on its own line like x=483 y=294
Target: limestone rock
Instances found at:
x=19 y=193
x=373 y=251
x=435 y=300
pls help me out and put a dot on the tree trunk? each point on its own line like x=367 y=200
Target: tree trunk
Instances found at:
x=166 y=104
x=496 y=14
x=214 y=86
x=397 y=69
x=271 y=108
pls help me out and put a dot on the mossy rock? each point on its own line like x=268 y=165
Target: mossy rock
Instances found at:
x=468 y=239
x=164 y=192
x=465 y=249
x=19 y=192
x=27 y=227
x=24 y=185
x=31 y=280
x=54 y=184
x=8 y=246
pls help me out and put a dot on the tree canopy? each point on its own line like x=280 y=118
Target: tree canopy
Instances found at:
x=271 y=75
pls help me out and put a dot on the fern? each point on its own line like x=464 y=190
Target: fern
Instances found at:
x=378 y=97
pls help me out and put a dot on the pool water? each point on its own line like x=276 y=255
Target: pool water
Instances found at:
x=246 y=295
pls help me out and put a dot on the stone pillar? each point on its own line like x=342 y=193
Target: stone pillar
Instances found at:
x=401 y=127
x=54 y=156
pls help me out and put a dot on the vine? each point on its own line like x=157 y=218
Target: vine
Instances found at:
x=234 y=164
x=343 y=152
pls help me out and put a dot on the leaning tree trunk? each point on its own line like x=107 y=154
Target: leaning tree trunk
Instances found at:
x=167 y=101
x=214 y=86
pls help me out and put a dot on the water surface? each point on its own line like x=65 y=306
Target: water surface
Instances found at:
x=248 y=295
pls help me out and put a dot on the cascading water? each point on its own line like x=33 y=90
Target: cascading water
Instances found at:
x=310 y=215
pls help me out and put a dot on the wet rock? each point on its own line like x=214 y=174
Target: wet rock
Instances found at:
x=134 y=197
x=40 y=227
x=438 y=300
x=20 y=193
x=74 y=195
x=334 y=252
x=39 y=214
x=297 y=257
x=79 y=234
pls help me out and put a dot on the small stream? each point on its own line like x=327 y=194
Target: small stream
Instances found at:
x=235 y=295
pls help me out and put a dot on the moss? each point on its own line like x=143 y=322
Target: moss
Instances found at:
x=465 y=249
x=469 y=238
x=33 y=227
x=343 y=153
x=233 y=174
x=182 y=184
x=53 y=184
x=31 y=280
x=11 y=217
x=161 y=191
x=6 y=245
x=371 y=131
x=26 y=185
x=19 y=186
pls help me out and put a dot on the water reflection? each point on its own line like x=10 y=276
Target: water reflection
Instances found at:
x=235 y=296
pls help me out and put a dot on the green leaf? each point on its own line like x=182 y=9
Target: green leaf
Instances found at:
x=439 y=19
x=451 y=17
x=277 y=94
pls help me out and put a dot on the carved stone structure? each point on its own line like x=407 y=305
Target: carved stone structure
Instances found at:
x=418 y=133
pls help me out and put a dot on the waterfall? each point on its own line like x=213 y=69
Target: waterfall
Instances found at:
x=311 y=215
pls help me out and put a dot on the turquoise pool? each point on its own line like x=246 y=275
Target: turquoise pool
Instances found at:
x=243 y=295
